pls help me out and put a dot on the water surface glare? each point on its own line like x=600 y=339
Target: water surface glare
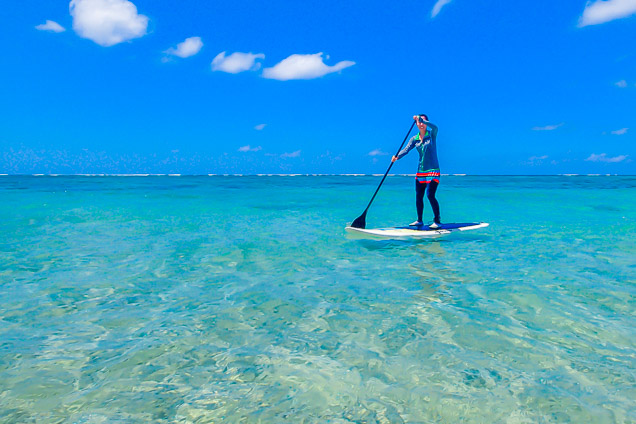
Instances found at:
x=238 y=299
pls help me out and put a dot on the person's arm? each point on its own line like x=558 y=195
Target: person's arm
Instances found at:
x=433 y=129
x=405 y=150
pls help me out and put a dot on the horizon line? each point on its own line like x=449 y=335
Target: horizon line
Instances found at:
x=304 y=175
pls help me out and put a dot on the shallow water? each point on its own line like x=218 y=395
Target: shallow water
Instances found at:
x=238 y=299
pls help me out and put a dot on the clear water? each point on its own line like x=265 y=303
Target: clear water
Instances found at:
x=238 y=299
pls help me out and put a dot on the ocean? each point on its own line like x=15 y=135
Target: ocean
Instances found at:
x=238 y=299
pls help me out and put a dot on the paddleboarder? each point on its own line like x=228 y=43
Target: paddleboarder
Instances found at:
x=427 y=176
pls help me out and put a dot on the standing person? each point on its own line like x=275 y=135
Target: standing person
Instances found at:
x=428 y=170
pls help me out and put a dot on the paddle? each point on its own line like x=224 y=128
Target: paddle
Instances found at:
x=361 y=221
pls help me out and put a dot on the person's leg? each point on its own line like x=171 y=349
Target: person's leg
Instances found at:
x=420 y=188
x=432 y=189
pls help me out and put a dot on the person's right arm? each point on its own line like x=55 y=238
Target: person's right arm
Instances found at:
x=404 y=151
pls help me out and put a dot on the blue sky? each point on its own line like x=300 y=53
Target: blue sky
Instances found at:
x=114 y=86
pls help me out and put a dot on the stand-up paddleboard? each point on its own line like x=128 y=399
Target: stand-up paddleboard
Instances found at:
x=411 y=232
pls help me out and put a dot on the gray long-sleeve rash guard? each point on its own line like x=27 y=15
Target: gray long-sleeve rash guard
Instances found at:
x=426 y=147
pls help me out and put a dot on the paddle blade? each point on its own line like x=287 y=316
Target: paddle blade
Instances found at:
x=361 y=221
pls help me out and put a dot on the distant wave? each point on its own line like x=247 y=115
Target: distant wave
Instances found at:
x=302 y=175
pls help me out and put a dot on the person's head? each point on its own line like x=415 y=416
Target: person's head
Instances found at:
x=420 y=121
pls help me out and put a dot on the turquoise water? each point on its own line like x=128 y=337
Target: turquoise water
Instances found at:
x=238 y=299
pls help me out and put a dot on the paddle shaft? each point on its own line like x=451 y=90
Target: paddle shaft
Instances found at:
x=387 y=171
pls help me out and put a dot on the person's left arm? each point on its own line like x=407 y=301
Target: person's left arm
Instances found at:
x=433 y=129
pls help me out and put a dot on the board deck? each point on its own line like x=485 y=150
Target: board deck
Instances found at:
x=409 y=232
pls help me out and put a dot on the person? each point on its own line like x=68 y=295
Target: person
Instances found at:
x=427 y=176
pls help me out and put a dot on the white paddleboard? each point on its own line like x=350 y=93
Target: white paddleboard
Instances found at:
x=408 y=232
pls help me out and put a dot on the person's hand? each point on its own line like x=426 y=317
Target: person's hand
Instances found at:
x=393 y=159
x=415 y=118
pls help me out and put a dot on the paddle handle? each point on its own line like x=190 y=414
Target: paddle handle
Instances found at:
x=390 y=166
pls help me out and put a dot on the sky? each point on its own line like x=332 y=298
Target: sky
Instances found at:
x=253 y=87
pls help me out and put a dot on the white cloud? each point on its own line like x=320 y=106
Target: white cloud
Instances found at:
x=249 y=148
x=620 y=132
x=303 y=66
x=548 y=127
x=601 y=11
x=537 y=160
x=330 y=157
x=621 y=84
x=291 y=155
x=107 y=22
x=438 y=7
x=188 y=47
x=259 y=127
x=603 y=158
x=236 y=62
x=50 y=26
x=377 y=152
